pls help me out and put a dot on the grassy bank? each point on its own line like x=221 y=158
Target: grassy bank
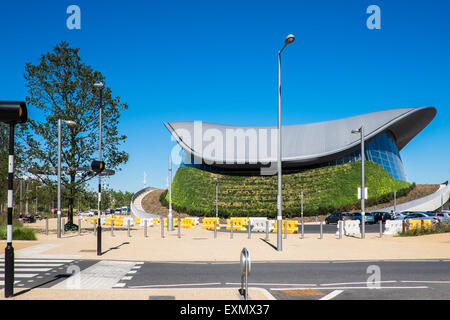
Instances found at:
x=438 y=228
x=325 y=190
x=19 y=231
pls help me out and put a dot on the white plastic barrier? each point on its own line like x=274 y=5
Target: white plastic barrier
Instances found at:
x=393 y=227
x=259 y=224
x=149 y=222
x=351 y=227
x=196 y=219
x=125 y=221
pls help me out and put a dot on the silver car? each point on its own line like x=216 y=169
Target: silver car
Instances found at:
x=444 y=216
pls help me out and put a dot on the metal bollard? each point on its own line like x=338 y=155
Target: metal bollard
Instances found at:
x=321 y=230
x=249 y=230
x=285 y=229
x=381 y=228
x=162 y=228
x=129 y=235
x=112 y=228
x=231 y=229
x=340 y=228
x=215 y=229
x=303 y=230
x=46 y=226
x=267 y=230
x=79 y=226
x=63 y=223
x=95 y=227
x=179 y=228
x=145 y=228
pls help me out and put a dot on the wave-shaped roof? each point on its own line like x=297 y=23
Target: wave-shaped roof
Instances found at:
x=303 y=144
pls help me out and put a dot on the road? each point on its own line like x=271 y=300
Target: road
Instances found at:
x=349 y=280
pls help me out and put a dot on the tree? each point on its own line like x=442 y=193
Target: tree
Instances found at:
x=61 y=86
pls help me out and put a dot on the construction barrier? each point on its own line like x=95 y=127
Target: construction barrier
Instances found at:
x=175 y=222
x=258 y=224
x=292 y=226
x=351 y=227
x=156 y=221
x=208 y=223
x=238 y=223
x=187 y=223
x=419 y=224
x=393 y=227
x=143 y=220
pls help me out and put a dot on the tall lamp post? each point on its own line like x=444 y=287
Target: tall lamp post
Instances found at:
x=217 y=192
x=99 y=85
x=363 y=189
x=170 y=216
x=289 y=39
x=69 y=123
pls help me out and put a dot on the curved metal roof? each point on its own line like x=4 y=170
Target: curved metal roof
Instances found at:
x=302 y=145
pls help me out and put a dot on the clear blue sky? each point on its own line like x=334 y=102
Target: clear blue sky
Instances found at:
x=216 y=61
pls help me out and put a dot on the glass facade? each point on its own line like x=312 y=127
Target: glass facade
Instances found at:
x=383 y=151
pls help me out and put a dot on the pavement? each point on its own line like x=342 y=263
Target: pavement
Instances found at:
x=121 y=255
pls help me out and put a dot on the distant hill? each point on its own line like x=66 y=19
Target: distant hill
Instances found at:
x=327 y=189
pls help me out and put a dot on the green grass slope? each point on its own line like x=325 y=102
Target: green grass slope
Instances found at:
x=325 y=190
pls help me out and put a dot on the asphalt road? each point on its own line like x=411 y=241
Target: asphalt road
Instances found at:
x=349 y=280
x=426 y=279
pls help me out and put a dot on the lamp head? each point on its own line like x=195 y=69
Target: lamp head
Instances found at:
x=98 y=85
x=289 y=39
x=356 y=131
x=70 y=123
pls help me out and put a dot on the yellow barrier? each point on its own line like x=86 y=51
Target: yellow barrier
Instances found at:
x=175 y=222
x=156 y=221
x=208 y=223
x=137 y=221
x=187 y=223
x=292 y=226
x=238 y=224
x=418 y=224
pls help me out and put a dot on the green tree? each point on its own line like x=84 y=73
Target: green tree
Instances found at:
x=61 y=86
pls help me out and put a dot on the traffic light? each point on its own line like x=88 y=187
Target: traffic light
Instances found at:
x=13 y=112
x=97 y=166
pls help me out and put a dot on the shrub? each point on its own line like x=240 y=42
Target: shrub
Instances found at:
x=19 y=233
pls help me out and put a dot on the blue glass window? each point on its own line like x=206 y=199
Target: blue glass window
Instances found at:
x=383 y=151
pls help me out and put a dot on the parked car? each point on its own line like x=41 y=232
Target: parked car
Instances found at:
x=422 y=216
x=118 y=212
x=444 y=216
x=383 y=216
x=27 y=219
x=399 y=216
x=369 y=218
x=336 y=216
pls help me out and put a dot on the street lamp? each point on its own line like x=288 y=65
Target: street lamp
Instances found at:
x=99 y=85
x=70 y=123
x=363 y=190
x=170 y=216
x=217 y=192
x=289 y=39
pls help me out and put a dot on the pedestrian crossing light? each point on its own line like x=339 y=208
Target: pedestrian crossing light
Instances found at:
x=97 y=166
x=13 y=112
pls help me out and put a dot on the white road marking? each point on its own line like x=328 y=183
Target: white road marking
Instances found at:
x=273 y=284
x=349 y=283
x=424 y=281
x=175 y=285
x=127 y=278
x=29 y=269
x=119 y=285
x=34 y=264
x=40 y=260
x=332 y=295
x=2 y=282
x=132 y=272
x=21 y=275
x=349 y=288
x=102 y=275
